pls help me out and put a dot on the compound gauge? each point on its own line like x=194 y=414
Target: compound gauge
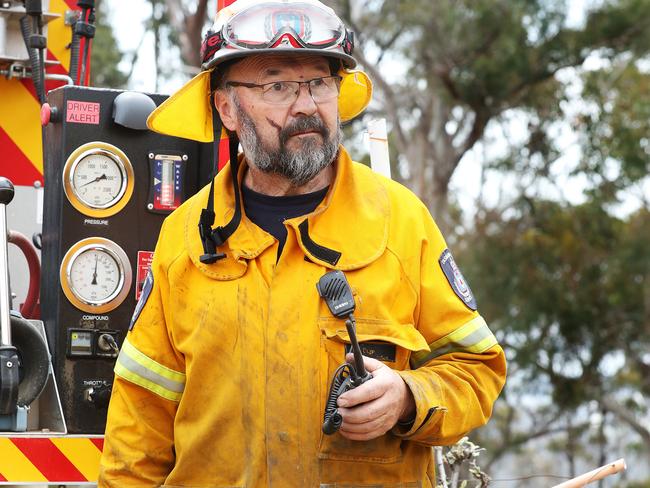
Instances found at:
x=98 y=179
x=96 y=275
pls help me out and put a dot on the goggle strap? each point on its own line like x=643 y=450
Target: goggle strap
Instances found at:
x=348 y=42
x=212 y=42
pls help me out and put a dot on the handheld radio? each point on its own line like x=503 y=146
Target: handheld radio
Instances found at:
x=335 y=290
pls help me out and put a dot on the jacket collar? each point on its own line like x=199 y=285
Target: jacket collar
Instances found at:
x=348 y=230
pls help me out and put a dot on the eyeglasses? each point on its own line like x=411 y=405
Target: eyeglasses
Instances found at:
x=286 y=92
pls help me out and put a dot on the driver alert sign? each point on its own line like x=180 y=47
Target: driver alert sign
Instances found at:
x=82 y=112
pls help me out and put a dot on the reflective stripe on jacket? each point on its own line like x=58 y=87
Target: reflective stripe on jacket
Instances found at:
x=222 y=382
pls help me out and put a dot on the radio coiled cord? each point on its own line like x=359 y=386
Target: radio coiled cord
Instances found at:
x=332 y=419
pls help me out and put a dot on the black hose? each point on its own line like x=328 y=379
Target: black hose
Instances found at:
x=87 y=46
x=41 y=65
x=82 y=68
x=33 y=358
x=37 y=78
x=74 y=55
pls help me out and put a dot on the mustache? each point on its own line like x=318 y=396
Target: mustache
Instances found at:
x=304 y=124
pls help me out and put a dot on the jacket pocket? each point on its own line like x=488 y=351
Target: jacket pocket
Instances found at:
x=394 y=344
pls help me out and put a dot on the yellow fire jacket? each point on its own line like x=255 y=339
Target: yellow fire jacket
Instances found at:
x=223 y=379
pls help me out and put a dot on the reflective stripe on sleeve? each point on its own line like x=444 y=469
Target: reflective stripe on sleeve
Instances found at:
x=475 y=336
x=138 y=368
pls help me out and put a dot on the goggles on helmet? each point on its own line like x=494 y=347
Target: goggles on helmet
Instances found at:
x=277 y=25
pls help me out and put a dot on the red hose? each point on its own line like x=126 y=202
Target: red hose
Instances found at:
x=28 y=310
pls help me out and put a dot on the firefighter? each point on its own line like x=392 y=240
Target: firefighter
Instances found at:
x=223 y=378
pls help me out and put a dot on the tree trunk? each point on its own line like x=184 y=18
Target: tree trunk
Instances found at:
x=189 y=26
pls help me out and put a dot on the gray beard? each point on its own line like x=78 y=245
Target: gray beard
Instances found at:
x=298 y=166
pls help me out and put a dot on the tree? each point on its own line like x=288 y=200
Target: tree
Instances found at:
x=567 y=288
x=188 y=22
x=617 y=132
x=106 y=56
x=466 y=62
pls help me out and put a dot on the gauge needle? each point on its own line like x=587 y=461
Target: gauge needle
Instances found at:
x=99 y=178
x=94 y=281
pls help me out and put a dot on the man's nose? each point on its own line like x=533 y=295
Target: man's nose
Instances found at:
x=305 y=103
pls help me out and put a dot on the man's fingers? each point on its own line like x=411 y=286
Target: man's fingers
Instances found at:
x=373 y=408
x=363 y=413
x=367 y=430
x=367 y=392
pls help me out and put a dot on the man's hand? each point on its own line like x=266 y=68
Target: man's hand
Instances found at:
x=374 y=408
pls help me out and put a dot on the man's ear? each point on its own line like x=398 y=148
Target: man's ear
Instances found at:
x=226 y=109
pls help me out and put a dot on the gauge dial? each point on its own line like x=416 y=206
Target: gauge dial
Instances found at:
x=98 y=179
x=96 y=275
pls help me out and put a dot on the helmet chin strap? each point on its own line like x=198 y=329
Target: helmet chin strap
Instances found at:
x=213 y=238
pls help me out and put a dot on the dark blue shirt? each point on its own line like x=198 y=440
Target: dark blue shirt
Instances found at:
x=269 y=212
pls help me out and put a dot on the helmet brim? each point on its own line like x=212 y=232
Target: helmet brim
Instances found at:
x=187 y=113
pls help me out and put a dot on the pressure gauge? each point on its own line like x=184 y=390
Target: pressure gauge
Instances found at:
x=98 y=179
x=96 y=275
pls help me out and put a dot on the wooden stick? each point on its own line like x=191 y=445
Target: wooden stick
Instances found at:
x=440 y=467
x=595 y=475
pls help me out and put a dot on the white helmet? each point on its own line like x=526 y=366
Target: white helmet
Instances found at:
x=254 y=27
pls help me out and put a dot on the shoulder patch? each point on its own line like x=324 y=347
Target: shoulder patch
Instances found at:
x=147 y=286
x=456 y=279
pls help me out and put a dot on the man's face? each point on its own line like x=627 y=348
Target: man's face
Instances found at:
x=295 y=140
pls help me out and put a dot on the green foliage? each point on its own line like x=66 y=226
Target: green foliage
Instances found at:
x=634 y=484
x=618 y=130
x=473 y=63
x=569 y=285
x=106 y=55
x=490 y=53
